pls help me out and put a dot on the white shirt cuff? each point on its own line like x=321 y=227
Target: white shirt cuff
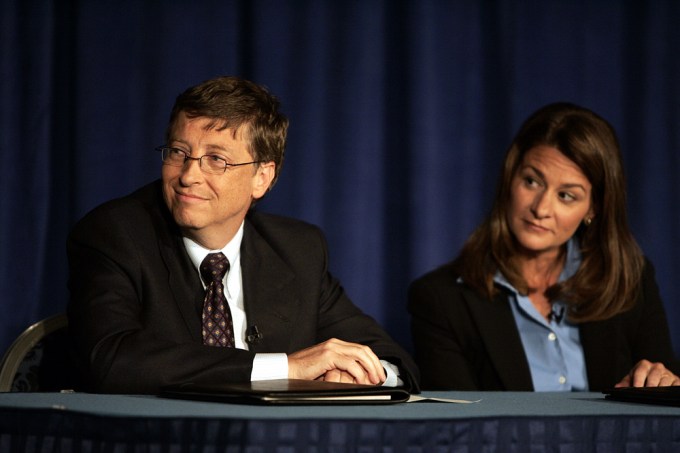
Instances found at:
x=267 y=366
x=392 y=373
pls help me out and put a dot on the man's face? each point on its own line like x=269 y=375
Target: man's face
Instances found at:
x=209 y=208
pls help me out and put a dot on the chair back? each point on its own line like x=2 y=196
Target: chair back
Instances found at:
x=41 y=359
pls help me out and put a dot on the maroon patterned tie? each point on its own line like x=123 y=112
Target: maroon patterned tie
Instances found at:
x=218 y=329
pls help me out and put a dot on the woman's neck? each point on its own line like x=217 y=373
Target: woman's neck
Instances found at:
x=540 y=273
x=542 y=269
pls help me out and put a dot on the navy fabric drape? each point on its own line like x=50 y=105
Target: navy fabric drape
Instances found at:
x=65 y=432
x=401 y=112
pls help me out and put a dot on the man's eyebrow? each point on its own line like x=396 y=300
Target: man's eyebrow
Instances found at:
x=209 y=147
x=177 y=140
x=215 y=147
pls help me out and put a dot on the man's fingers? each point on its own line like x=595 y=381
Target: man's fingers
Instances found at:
x=364 y=356
x=354 y=360
x=338 y=376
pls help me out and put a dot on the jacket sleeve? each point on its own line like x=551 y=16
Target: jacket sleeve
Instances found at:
x=340 y=318
x=613 y=346
x=647 y=330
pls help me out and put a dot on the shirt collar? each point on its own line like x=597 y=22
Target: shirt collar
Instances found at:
x=232 y=250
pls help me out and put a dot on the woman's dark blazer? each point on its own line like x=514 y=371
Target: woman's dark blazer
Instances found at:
x=465 y=341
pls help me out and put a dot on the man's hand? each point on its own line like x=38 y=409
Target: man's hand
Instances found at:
x=648 y=374
x=337 y=361
x=337 y=376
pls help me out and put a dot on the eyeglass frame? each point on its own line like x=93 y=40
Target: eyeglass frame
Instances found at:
x=164 y=149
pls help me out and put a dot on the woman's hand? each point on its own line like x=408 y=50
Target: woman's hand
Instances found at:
x=648 y=374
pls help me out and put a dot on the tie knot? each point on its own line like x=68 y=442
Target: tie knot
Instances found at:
x=213 y=267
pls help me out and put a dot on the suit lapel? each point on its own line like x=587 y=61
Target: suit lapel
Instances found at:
x=270 y=302
x=499 y=332
x=183 y=279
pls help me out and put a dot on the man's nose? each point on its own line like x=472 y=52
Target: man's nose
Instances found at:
x=191 y=170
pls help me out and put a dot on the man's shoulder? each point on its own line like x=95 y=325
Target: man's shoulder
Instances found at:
x=286 y=236
x=145 y=202
x=268 y=224
x=145 y=196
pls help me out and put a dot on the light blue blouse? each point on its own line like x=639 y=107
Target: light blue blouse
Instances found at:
x=553 y=348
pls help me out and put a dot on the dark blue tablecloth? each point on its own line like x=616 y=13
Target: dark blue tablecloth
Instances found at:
x=500 y=422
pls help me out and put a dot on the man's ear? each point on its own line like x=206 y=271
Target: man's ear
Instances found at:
x=264 y=175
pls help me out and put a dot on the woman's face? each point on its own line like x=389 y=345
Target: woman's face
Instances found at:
x=549 y=198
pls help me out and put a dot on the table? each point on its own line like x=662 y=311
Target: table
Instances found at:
x=500 y=422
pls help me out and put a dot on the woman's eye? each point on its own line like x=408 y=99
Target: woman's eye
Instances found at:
x=529 y=181
x=567 y=196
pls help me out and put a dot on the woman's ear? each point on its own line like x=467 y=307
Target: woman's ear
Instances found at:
x=588 y=219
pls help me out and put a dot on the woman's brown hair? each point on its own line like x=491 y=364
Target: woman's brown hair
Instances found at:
x=607 y=281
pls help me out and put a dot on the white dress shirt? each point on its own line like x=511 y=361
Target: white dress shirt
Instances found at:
x=266 y=365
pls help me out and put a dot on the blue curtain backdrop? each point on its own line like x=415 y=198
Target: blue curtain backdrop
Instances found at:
x=401 y=112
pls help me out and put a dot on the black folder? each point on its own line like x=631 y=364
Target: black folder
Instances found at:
x=288 y=392
x=667 y=396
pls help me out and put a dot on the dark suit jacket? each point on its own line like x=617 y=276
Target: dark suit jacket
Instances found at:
x=464 y=341
x=136 y=299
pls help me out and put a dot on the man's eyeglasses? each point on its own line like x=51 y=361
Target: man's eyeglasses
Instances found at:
x=208 y=163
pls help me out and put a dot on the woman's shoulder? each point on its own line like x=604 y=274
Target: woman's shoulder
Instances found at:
x=444 y=275
x=445 y=280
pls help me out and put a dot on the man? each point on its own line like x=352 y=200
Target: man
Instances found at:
x=141 y=314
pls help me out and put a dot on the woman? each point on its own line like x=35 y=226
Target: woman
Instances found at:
x=551 y=292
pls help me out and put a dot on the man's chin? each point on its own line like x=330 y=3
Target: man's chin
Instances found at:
x=186 y=222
